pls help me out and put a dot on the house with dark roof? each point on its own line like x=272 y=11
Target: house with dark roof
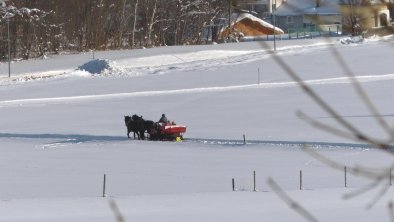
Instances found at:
x=259 y=8
x=315 y=15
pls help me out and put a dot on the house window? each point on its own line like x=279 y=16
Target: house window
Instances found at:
x=289 y=19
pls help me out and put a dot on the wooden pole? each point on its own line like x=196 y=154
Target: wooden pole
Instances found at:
x=345 y=176
x=301 y=187
x=233 y=183
x=254 y=181
x=9 y=46
x=244 y=139
x=229 y=20
x=104 y=184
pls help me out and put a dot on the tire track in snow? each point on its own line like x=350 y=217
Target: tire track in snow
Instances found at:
x=291 y=144
x=70 y=139
x=57 y=100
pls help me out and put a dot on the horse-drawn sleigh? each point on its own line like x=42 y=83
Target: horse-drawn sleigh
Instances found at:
x=147 y=129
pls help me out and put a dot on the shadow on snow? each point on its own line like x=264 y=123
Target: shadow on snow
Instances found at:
x=66 y=138
x=78 y=138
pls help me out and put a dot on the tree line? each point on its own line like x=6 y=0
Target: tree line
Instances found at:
x=40 y=27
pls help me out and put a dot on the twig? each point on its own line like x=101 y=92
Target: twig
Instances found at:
x=115 y=209
x=363 y=190
x=330 y=110
x=350 y=131
x=363 y=95
x=292 y=204
x=325 y=127
x=353 y=170
x=378 y=196
x=377 y=176
x=391 y=211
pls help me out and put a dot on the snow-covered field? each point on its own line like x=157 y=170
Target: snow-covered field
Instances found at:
x=62 y=129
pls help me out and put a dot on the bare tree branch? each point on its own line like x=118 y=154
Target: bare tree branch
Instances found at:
x=290 y=202
x=325 y=106
x=363 y=95
x=378 y=196
x=325 y=127
x=391 y=210
x=116 y=211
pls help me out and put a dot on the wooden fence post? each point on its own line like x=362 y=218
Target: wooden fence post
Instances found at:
x=301 y=187
x=233 y=183
x=345 y=176
x=104 y=184
x=244 y=139
x=254 y=181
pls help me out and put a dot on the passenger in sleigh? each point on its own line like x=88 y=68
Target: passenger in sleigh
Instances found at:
x=165 y=122
x=163 y=119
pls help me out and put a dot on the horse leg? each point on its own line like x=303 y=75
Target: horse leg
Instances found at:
x=142 y=134
x=138 y=135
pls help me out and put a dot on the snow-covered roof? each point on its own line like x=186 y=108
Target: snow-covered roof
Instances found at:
x=308 y=7
x=241 y=16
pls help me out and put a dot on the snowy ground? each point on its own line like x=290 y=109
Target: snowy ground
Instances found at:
x=62 y=129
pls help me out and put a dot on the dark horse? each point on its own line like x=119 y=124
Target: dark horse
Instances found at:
x=138 y=125
x=149 y=125
x=133 y=126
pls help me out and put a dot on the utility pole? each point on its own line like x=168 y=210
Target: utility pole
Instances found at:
x=274 y=18
x=9 y=47
x=229 y=19
x=3 y=5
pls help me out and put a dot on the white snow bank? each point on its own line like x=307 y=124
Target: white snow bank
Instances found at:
x=360 y=39
x=351 y=39
x=376 y=38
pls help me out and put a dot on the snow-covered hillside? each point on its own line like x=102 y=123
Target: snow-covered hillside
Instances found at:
x=62 y=129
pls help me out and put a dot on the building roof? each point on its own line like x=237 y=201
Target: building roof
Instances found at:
x=241 y=16
x=249 y=25
x=308 y=7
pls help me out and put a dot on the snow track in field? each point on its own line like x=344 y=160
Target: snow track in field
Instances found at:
x=61 y=140
x=57 y=100
x=295 y=144
x=136 y=63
